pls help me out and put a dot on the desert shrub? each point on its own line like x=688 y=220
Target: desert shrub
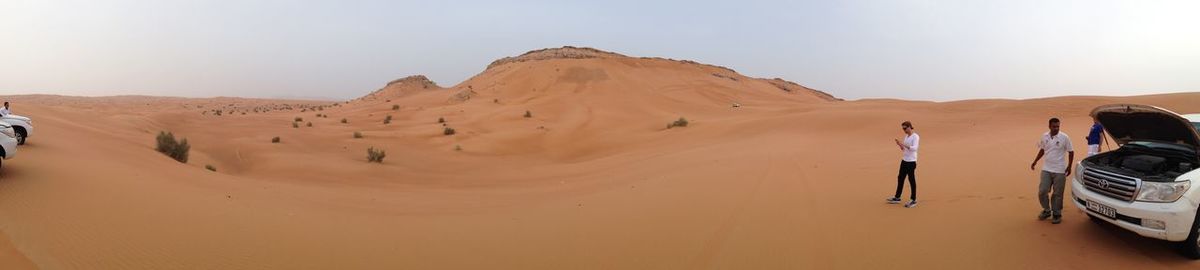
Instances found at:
x=298 y=119
x=375 y=155
x=295 y=124
x=457 y=147
x=441 y=120
x=343 y=120
x=275 y=140
x=678 y=123
x=309 y=124
x=167 y=145
x=528 y=114
x=358 y=135
x=387 y=120
x=448 y=131
x=395 y=107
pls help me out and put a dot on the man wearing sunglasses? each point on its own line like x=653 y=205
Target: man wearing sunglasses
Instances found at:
x=908 y=165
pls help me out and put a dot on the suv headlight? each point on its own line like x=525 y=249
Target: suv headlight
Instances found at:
x=1163 y=192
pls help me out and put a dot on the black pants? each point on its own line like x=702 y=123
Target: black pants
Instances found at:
x=909 y=169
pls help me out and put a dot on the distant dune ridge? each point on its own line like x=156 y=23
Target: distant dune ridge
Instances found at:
x=558 y=158
x=564 y=55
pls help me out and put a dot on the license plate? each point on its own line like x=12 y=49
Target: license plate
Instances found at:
x=1105 y=210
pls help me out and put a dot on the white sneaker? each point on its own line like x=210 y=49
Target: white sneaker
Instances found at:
x=910 y=204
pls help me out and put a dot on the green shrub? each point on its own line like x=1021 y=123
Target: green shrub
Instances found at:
x=678 y=123
x=375 y=155
x=167 y=145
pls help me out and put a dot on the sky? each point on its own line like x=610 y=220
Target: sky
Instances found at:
x=922 y=50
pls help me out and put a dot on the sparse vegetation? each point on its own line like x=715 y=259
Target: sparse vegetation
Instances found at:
x=387 y=120
x=358 y=135
x=298 y=119
x=678 y=123
x=295 y=124
x=309 y=124
x=441 y=120
x=457 y=147
x=275 y=140
x=528 y=114
x=177 y=150
x=210 y=167
x=344 y=120
x=375 y=155
x=448 y=131
x=395 y=107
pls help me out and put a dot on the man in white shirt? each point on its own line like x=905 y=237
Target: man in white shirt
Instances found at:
x=4 y=111
x=908 y=164
x=1056 y=147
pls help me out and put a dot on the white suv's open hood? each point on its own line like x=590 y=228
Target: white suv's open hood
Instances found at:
x=18 y=117
x=1129 y=122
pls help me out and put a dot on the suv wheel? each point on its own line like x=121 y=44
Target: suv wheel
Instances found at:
x=20 y=137
x=1191 y=247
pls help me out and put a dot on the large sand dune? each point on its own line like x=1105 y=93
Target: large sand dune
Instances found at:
x=791 y=179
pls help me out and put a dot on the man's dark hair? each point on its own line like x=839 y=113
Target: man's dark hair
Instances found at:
x=906 y=124
x=1054 y=120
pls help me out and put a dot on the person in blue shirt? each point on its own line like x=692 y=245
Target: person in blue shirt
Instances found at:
x=1094 y=137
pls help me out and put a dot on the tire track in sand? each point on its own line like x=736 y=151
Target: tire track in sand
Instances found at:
x=717 y=240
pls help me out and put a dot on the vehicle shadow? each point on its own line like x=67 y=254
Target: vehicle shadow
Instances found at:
x=1161 y=251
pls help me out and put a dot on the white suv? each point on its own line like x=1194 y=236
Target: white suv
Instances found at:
x=1145 y=185
x=22 y=125
x=8 y=142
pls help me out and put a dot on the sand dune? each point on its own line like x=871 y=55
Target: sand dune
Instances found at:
x=792 y=178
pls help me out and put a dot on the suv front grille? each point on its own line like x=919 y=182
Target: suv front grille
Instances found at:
x=1111 y=184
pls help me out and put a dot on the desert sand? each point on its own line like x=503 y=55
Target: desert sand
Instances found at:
x=792 y=178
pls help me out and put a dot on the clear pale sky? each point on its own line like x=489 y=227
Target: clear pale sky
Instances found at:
x=927 y=50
